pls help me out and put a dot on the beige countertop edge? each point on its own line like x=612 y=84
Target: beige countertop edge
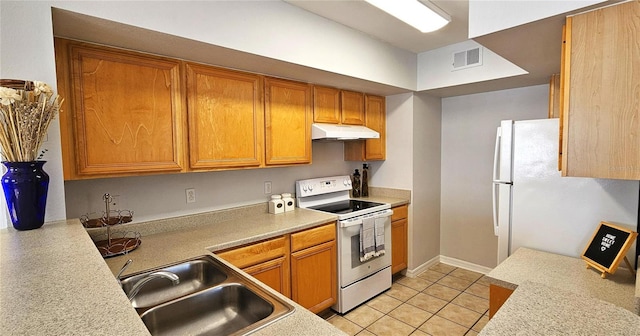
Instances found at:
x=55 y=282
x=537 y=309
x=565 y=273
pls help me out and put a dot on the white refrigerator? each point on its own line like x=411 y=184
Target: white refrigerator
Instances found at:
x=535 y=207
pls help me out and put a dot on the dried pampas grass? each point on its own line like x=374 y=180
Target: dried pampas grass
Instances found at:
x=26 y=111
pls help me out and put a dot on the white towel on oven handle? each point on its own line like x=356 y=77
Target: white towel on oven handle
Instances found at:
x=367 y=239
x=378 y=228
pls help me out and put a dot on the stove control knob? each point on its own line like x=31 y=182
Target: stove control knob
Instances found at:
x=304 y=187
x=345 y=182
x=310 y=187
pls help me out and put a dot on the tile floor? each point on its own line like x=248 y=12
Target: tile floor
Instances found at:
x=443 y=300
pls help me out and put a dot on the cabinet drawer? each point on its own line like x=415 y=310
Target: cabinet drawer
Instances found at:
x=400 y=212
x=311 y=237
x=256 y=253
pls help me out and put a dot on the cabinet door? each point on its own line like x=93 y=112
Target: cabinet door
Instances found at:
x=288 y=122
x=398 y=245
x=352 y=108
x=370 y=149
x=326 y=105
x=314 y=281
x=226 y=118
x=601 y=127
x=273 y=273
x=375 y=149
x=127 y=110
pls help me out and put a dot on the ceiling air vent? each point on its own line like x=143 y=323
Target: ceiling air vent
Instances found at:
x=467 y=58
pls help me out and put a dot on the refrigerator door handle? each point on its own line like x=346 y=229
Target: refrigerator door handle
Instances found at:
x=496 y=153
x=495 y=211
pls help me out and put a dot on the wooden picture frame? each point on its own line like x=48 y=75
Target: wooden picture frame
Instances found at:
x=608 y=247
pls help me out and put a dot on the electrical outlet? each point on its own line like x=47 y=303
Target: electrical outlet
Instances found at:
x=191 y=195
x=267 y=187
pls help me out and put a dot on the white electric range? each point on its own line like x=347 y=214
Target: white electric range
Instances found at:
x=358 y=281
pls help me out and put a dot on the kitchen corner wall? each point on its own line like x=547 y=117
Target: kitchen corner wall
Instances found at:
x=413 y=163
x=469 y=126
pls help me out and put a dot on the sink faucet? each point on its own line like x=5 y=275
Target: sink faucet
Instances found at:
x=159 y=274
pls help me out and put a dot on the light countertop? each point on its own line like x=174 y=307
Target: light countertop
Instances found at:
x=565 y=273
x=55 y=282
x=537 y=309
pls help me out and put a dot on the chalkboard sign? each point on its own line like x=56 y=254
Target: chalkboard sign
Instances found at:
x=608 y=248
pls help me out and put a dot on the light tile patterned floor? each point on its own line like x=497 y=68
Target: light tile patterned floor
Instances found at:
x=444 y=300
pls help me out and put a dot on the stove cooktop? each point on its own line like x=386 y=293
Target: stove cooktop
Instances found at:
x=346 y=206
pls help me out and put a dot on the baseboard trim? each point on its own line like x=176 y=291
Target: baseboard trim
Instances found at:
x=464 y=264
x=412 y=273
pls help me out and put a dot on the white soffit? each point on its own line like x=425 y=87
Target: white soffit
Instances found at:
x=435 y=67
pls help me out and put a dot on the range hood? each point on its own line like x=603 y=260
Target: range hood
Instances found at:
x=342 y=132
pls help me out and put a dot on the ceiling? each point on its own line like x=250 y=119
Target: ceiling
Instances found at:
x=362 y=16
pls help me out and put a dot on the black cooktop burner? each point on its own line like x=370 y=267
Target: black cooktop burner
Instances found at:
x=344 y=207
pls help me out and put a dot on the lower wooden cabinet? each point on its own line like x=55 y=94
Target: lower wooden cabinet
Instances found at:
x=267 y=261
x=273 y=273
x=497 y=297
x=399 y=239
x=313 y=277
x=301 y=265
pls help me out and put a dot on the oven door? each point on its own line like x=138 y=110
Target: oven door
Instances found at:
x=351 y=269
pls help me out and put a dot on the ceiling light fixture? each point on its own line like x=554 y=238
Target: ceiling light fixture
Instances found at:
x=422 y=15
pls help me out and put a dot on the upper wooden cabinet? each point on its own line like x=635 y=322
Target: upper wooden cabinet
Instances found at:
x=226 y=118
x=123 y=112
x=554 y=96
x=288 y=119
x=370 y=149
x=602 y=93
x=334 y=106
x=326 y=105
x=352 y=108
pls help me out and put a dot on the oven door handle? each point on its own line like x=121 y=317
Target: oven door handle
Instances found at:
x=358 y=220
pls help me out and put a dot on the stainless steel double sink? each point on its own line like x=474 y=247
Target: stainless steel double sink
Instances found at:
x=210 y=299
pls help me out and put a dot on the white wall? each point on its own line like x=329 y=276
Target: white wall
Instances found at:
x=488 y=16
x=396 y=171
x=272 y=29
x=469 y=126
x=424 y=225
x=435 y=67
x=162 y=196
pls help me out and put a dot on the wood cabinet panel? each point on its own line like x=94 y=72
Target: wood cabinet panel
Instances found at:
x=370 y=149
x=226 y=118
x=274 y=273
x=315 y=236
x=126 y=110
x=601 y=126
x=400 y=212
x=326 y=105
x=554 y=96
x=352 y=108
x=399 y=239
x=256 y=253
x=288 y=122
x=314 y=277
x=399 y=242
x=497 y=297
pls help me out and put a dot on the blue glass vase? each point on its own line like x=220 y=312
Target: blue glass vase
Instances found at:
x=25 y=187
